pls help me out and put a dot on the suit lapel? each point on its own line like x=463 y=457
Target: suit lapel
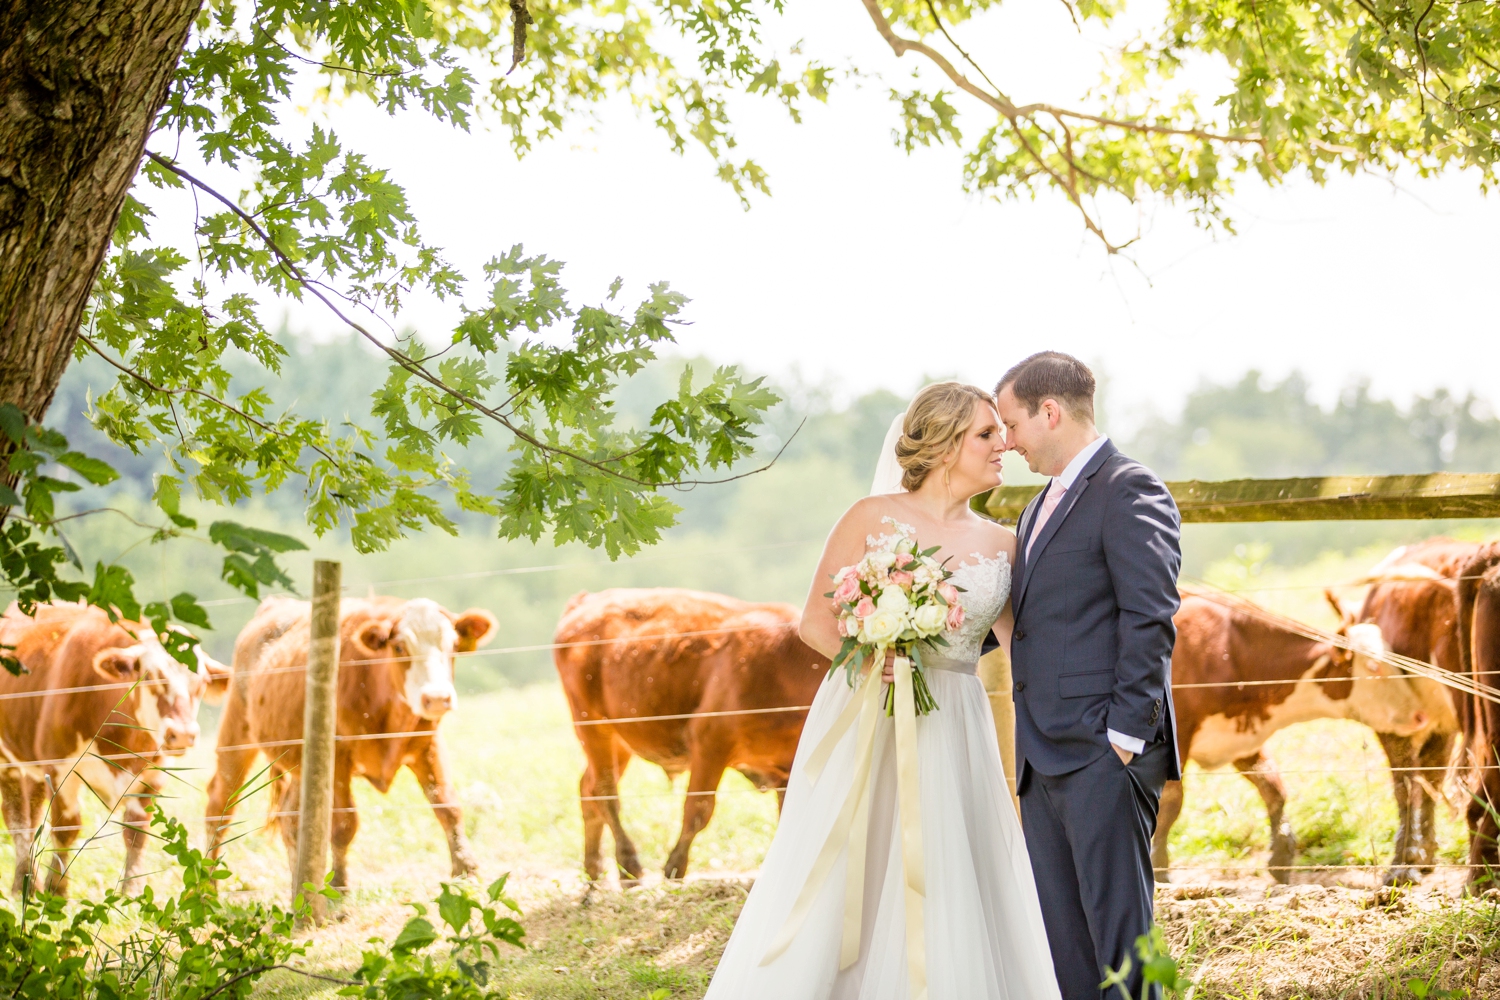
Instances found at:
x=1070 y=500
x=1023 y=529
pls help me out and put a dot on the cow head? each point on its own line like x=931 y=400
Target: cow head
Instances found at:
x=1382 y=696
x=168 y=693
x=422 y=640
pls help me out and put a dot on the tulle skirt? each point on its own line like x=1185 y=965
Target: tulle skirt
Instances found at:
x=984 y=933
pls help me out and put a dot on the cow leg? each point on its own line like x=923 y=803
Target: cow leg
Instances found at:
x=599 y=794
x=288 y=806
x=433 y=777
x=1434 y=757
x=135 y=824
x=1484 y=825
x=593 y=827
x=1406 y=858
x=345 y=822
x=1484 y=806
x=1261 y=772
x=1166 y=814
x=705 y=770
x=67 y=820
x=224 y=791
x=15 y=802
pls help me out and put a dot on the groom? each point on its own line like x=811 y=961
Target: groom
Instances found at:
x=1095 y=591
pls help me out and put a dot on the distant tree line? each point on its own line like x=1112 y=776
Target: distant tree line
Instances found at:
x=1259 y=428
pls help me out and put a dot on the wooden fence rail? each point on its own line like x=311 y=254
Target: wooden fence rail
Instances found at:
x=1318 y=498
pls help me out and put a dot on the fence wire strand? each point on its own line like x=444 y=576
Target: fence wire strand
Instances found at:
x=1407 y=666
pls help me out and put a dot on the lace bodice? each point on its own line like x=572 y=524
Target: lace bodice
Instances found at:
x=986 y=587
x=986 y=583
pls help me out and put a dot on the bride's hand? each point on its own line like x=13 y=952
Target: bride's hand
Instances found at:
x=888 y=675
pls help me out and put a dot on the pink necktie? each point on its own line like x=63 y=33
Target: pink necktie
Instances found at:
x=1049 y=504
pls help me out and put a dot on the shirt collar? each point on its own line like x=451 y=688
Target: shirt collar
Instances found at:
x=1070 y=474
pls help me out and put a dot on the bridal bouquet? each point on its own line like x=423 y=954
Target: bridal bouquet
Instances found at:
x=898 y=597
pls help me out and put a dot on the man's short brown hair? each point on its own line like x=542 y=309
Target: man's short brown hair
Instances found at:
x=1052 y=375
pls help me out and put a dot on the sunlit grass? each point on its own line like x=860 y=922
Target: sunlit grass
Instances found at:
x=516 y=765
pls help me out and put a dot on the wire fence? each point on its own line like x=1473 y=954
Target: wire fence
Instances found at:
x=1406 y=667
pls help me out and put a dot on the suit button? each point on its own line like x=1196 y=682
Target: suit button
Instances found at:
x=1020 y=686
x=1020 y=634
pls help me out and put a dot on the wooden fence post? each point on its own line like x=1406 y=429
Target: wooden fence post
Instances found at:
x=319 y=715
x=994 y=674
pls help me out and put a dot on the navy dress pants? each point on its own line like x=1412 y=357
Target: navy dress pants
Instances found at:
x=1089 y=836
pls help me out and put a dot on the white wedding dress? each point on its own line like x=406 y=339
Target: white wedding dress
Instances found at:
x=984 y=934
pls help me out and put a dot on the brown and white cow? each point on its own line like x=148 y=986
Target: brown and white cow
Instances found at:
x=1238 y=677
x=668 y=652
x=1412 y=599
x=395 y=676
x=101 y=704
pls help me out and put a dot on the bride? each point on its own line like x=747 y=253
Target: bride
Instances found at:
x=983 y=933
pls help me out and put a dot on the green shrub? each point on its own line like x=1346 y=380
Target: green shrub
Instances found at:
x=404 y=969
x=192 y=946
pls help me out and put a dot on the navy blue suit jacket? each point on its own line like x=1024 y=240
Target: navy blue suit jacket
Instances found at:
x=1092 y=648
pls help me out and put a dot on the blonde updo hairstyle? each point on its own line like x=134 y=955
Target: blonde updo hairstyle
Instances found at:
x=935 y=425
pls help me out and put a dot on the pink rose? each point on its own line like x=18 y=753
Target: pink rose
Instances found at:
x=865 y=608
x=901 y=578
x=847 y=590
x=949 y=592
x=955 y=616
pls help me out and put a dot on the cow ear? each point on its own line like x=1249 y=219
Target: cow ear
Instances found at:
x=373 y=635
x=475 y=627
x=1346 y=618
x=216 y=677
x=118 y=664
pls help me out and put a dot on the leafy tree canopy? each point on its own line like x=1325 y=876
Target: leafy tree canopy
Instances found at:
x=1307 y=88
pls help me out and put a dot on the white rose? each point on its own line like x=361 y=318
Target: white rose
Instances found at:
x=883 y=627
x=893 y=598
x=883 y=559
x=851 y=626
x=930 y=619
x=906 y=546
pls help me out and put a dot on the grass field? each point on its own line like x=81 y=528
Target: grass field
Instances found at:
x=517 y=764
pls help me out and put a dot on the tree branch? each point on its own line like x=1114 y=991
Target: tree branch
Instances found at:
x=260 y=969
x=143 y=380
x=295 y=272
x=322 y=65
x=1028 y=112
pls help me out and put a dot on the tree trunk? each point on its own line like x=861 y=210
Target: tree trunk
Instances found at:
x=81 y=82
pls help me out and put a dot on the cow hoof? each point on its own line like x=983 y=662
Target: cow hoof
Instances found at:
x=24 y=882
x=1283 y=854
x=1403 y=875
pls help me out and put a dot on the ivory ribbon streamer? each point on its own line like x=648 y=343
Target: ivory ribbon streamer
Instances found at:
x=852 y=827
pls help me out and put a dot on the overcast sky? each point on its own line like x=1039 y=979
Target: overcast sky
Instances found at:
x=872 y=268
